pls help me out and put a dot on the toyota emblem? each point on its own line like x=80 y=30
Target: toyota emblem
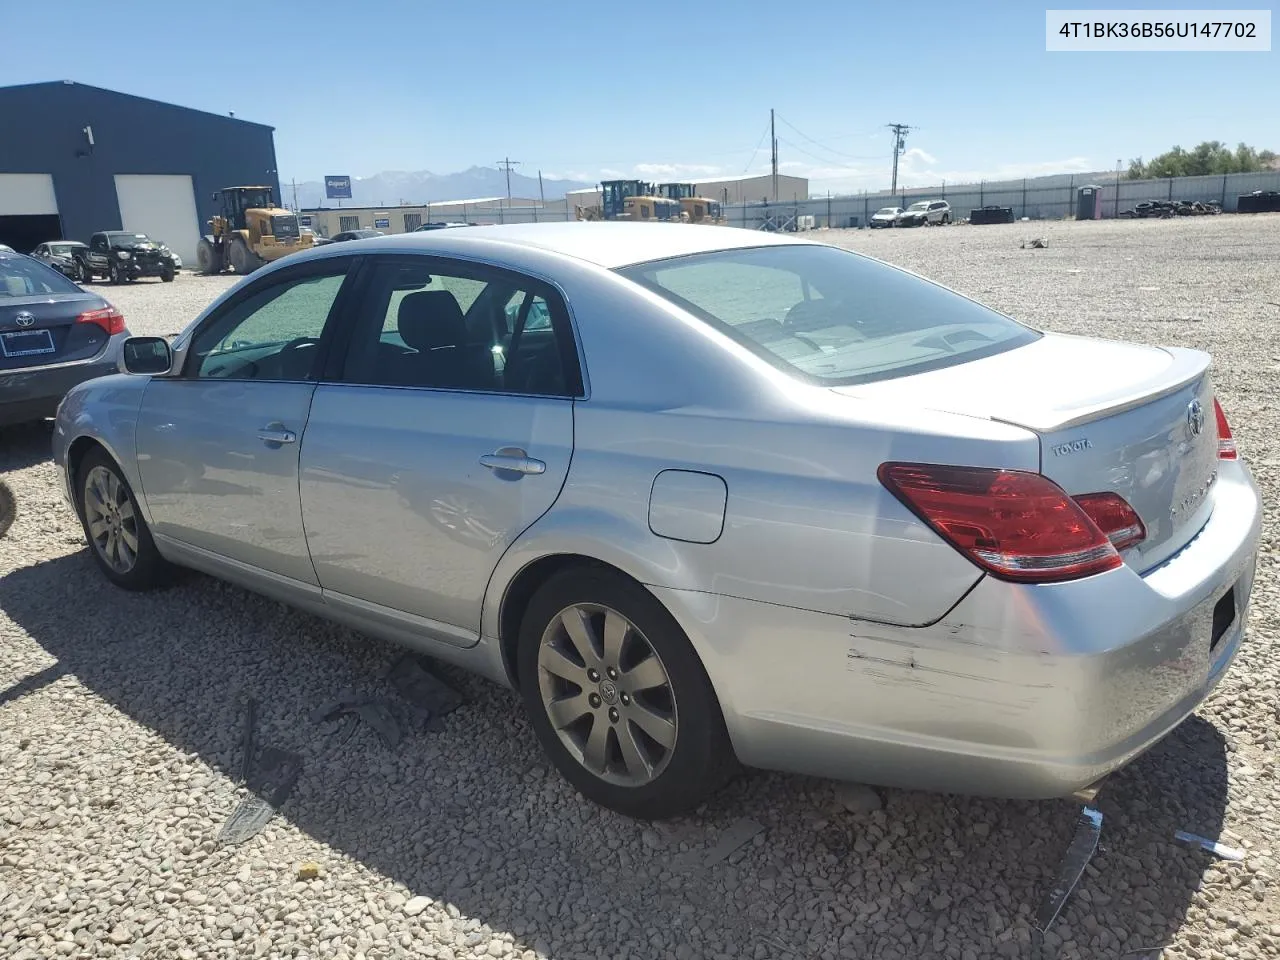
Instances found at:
x=1195 y=418
x=24 y=319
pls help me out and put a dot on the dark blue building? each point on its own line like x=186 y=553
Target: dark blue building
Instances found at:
x=76 y=159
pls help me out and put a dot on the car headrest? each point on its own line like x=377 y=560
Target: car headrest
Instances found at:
x=431 y=318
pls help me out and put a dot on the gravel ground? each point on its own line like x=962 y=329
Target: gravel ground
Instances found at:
x=120 y=719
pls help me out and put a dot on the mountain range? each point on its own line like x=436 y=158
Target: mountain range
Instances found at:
x=392 y=187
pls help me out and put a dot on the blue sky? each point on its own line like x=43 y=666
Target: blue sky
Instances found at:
x=660 y=89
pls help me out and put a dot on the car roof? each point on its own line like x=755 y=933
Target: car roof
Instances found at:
x=604 y=243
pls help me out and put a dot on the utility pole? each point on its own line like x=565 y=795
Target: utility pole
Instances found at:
x=542 y=197
x=1117 y=213
x=774 y=142
x=507 y=164
x=899 y=142
x=295 y=195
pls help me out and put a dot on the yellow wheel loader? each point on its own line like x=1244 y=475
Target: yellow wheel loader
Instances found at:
x=249 y=232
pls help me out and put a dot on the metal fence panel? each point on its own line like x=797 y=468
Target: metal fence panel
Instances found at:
x=1044 y=198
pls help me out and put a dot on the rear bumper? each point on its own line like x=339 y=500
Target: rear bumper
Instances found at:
x=35 y=394
x=1030 y=691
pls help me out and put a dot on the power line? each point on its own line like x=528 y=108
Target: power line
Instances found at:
x=831 y=150
x=763 y=133
x=899 y=142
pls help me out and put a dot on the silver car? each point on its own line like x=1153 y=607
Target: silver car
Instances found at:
x=704 y=497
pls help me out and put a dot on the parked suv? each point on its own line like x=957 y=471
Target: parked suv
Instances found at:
x=925 y=213
x=121 y=255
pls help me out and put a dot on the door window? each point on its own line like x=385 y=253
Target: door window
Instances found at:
x=273 y=333
x=434 y=323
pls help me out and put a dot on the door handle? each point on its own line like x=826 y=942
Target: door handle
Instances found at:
x=273 y=435
x=513 y=460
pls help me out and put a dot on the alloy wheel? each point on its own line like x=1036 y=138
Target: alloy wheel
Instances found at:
x=607 y=694
x=111 y=519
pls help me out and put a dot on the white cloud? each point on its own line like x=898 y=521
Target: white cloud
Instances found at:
x=675 y=170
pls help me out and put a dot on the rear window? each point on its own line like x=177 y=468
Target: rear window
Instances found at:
x=830 y=316
x=24 y=277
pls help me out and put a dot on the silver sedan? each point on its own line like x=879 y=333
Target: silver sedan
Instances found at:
x=703 y=496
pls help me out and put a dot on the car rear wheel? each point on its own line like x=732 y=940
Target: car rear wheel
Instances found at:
x=117 y=533
x=618 y=698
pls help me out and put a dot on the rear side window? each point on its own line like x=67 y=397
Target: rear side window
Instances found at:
x=445 y=325
x=830 y=316
x=24 y=277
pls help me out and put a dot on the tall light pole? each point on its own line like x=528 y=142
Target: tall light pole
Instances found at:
x=507 y=164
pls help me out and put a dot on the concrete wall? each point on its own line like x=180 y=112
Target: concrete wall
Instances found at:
x=41 y=131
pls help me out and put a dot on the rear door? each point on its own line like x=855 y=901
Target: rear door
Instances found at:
x=436 y=440
x=218 y=446
x=39 y=308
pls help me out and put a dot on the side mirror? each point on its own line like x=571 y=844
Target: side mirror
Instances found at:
x=146 y=356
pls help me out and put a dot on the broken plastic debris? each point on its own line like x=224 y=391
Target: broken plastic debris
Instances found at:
x=248 y=746
x=247 y=820
x=309 y=870
x=1213 y=846
x=422 y=690
x=1079 y=852
x=272 y=783
x=375 y=713
x=1039 y=243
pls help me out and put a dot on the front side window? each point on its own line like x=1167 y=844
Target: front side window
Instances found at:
x=830 y=316
x=272 y=334
x=443 y=325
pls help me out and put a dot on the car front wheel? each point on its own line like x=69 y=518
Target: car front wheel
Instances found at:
x=618 y=697
x=117 y=533
x=113 y=272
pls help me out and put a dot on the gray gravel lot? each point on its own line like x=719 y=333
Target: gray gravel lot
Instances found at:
x=120 y=724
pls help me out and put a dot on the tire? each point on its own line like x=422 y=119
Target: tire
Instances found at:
x=8 y=508
x=208 y=260
x=657 y=777
x=82 y=273
x=243 y=260
x=167 y=276
x=119 y=538
x=113 y=273
x=946 y=219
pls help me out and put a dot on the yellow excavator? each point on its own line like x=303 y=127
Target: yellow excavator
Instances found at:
x=249 y=232
x=693 y=208
x=630 y=200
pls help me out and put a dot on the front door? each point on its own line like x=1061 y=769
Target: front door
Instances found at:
x=218 y=446
x=444 y=433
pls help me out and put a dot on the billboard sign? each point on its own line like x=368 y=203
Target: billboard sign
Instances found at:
x=337 y=188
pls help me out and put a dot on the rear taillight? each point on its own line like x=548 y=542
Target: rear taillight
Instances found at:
x=1017 y=525
x=1226 y=444
x=109 y=319
x=1114 y=517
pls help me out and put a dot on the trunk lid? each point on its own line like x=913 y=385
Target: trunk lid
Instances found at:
x=40 y=330
x=1134 y=420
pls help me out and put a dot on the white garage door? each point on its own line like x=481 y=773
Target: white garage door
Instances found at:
x=162 y=207
x=27 y=194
